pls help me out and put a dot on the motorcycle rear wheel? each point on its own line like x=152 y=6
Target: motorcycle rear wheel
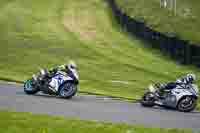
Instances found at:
x=29 y=88
x=148 y=100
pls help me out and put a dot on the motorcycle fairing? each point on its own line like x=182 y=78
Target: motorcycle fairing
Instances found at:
x=58 y=80
x=170 y=100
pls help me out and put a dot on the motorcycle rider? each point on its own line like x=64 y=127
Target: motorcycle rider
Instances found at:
x=188 y=79
x=66 y=68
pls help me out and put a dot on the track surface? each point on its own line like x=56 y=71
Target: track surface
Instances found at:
x=99 y=108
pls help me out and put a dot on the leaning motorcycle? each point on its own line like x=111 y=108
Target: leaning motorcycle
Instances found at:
x=64 y=85
x=183 y=98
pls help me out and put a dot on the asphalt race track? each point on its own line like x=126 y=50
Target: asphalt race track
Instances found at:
x=99 y=108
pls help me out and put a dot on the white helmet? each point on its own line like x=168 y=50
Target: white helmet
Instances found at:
x=191 y=77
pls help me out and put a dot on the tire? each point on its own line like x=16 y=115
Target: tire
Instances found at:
x=187 y=104
x=68 y=90
x=29 y=88
x=147 y=100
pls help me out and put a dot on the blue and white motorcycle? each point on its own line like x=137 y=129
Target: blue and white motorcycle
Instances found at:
x=183 y=98
x=59 y=83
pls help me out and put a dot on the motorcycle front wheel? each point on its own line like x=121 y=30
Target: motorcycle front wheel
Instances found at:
x=29 y=88
x=187 y=104
x=68 y=90
x=148 y=100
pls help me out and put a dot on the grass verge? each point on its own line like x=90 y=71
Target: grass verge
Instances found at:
x=12 y=122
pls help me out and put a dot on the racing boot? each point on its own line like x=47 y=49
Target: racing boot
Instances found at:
x=160 y=91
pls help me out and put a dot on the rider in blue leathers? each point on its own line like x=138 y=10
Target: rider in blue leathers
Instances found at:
x=188 y=79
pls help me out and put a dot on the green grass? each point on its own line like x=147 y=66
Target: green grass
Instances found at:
x=184 y=24
x=11 y=122
x=46 y=33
